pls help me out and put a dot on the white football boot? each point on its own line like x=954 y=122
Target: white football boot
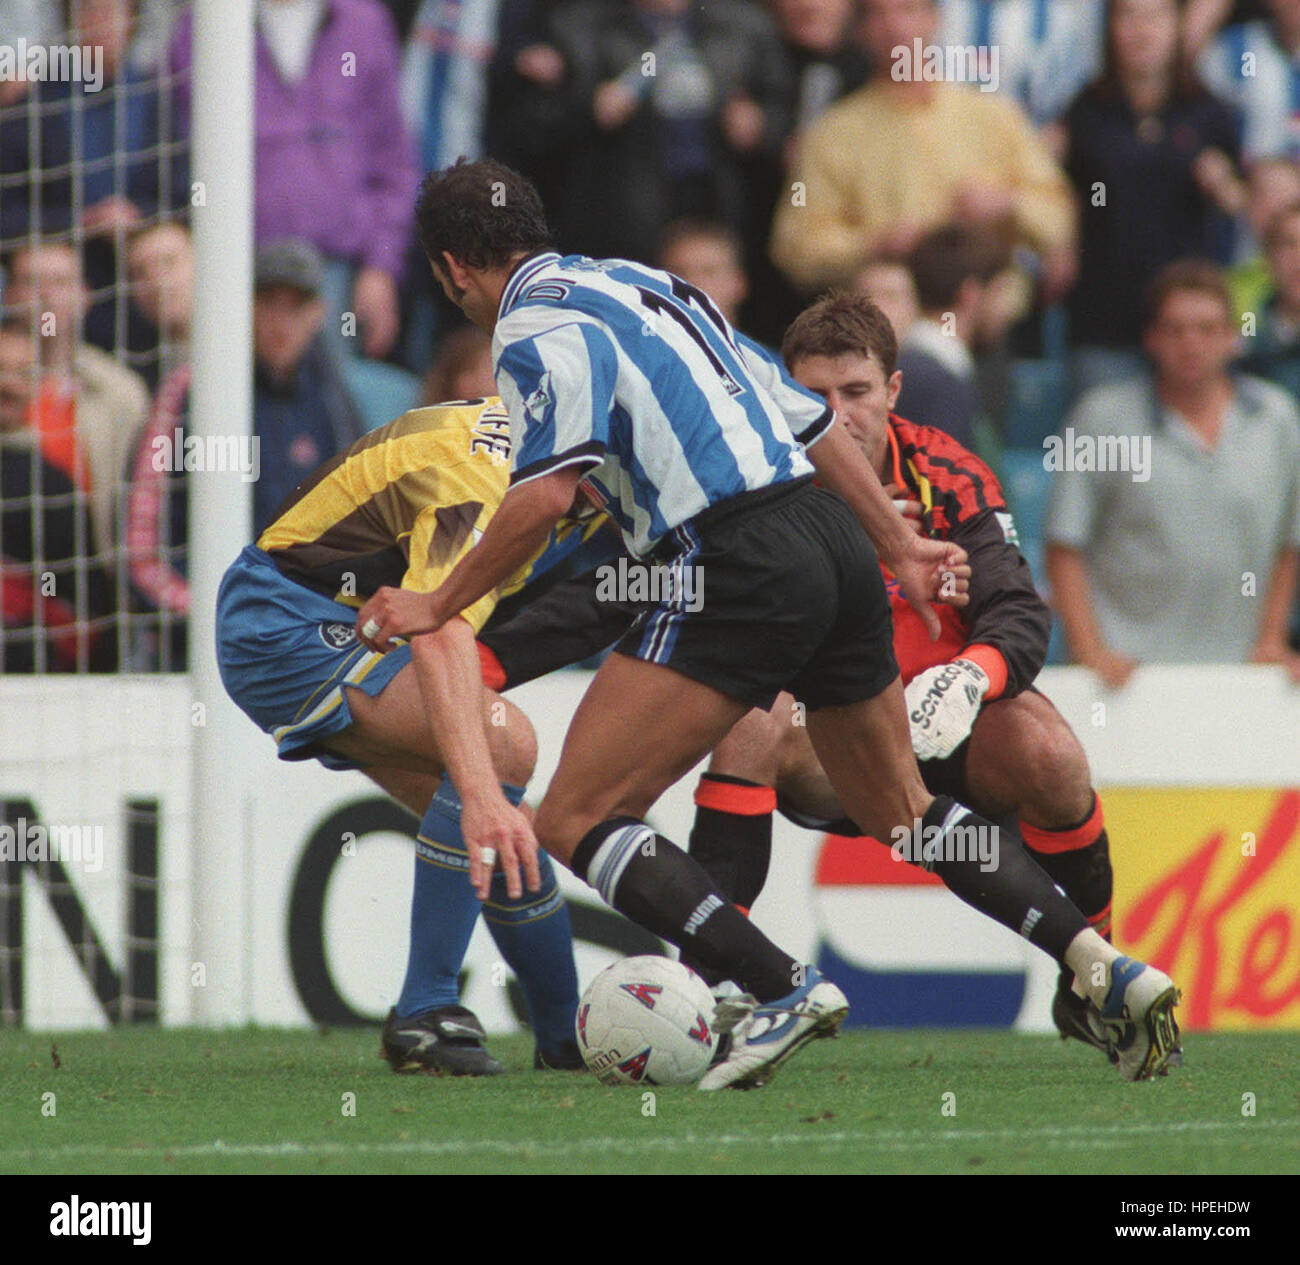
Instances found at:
x=764 y=1036
x=1139 y=1015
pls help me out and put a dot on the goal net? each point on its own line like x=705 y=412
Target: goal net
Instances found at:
x=95 y=247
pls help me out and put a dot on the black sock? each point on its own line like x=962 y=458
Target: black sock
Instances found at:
x=732 y=835
x=731 y=841
x=1078 y=859
x=1015 y=891
x=655 y=884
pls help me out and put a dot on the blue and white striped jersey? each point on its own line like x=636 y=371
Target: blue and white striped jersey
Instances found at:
x=1246 y=66
x=635 y=375
x=1047 y=50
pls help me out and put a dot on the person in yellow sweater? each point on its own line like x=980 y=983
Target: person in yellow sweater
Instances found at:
x=908 y=153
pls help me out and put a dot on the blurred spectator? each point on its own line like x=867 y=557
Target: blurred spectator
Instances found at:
x=156 y=532
x=891 y=287
x=478 y=77
x=1252 y=64
x=906 y=154
x=334 y=163
x=30 y=20
x=823 y=65
x=93 y=158
x=1153 y=157
x=160 y=263
x=954 y=270
x=302 y=411
x=1175 y=518
x=1047 y=49
x=824 y=62
x=89 y=407
x=1272 y=184
x=1274 y=351
x=708 y=255
x=664 y=108
x=302 y=415
x=160 y=272
x=403 y=13
x=154 y=22
x=1202 y=19
x=526 y=75
x=446 y=84
x=462 y=369
x=55 y=600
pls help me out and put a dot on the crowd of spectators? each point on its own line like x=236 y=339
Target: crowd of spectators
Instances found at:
x=1081 y=216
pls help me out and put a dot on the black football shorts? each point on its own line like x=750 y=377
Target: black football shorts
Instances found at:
x=784 y=592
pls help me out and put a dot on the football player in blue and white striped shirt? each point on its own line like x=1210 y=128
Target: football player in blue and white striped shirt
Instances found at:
x=627 y=382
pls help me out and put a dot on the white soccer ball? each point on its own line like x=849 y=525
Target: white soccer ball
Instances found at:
x=646 y=1021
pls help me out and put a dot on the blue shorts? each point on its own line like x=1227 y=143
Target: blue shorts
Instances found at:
x=285 y=653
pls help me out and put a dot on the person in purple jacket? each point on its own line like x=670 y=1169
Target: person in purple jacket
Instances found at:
x=334 y=163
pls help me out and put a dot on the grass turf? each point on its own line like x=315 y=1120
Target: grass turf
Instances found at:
x=264 y=1101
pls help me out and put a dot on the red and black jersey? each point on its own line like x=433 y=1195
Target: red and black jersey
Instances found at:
x=1006 y=626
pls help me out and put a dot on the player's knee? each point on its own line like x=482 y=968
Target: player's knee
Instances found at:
x=559 y=832
x=1059 y=785
x=525 y=749
x=795 y=758
x=749 y=750
x=512 y=741
x=564 y=818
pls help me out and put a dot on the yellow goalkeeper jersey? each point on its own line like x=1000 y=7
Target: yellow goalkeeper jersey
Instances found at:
x=405 y=503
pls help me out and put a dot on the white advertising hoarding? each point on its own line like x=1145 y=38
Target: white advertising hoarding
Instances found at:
x=321 y=874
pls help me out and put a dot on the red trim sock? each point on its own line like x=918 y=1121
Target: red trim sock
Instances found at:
x=732 y=839
x=1078 y=858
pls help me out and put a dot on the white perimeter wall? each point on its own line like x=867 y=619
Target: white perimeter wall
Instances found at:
x=78 y=749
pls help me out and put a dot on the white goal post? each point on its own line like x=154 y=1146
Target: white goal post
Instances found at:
x=220 y=502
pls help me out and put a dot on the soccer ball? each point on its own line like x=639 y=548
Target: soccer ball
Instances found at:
x=646 y=1021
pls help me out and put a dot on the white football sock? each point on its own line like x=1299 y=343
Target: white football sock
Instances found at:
x=1090 y=958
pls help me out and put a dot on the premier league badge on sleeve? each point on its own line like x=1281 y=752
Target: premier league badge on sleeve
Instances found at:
x=540 y=402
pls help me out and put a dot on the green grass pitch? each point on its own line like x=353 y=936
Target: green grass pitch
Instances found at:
x=263 y=1101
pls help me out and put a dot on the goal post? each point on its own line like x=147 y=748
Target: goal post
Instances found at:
x=222 y=128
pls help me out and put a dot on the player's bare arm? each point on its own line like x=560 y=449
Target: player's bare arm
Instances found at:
x=921 y=566
x=447 y=667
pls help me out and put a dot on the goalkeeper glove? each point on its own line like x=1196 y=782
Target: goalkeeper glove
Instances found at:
x=942 y=703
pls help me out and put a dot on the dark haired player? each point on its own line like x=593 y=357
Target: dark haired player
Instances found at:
x=981 y=732
x=702 y=450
